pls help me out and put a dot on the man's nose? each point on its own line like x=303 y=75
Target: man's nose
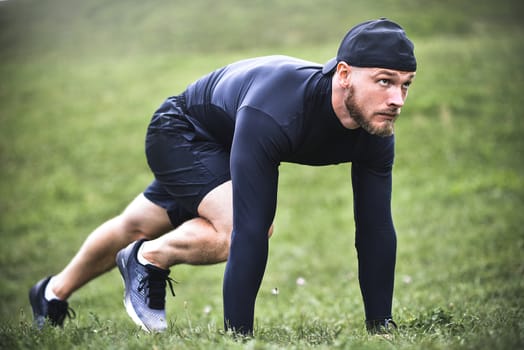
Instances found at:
x=396 y=97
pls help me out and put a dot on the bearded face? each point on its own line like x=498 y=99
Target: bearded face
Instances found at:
x=380 y=122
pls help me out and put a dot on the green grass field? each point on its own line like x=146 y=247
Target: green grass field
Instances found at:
x=79 y=81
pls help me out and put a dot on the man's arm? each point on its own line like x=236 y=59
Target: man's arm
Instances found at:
x=375 y=238
x=255 y=154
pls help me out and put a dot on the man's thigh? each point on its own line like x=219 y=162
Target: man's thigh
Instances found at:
x=217 y=207
x=186 y=169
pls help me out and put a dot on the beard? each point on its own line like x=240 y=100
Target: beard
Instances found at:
x=356 y=113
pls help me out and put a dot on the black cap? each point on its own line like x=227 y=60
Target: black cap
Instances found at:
x=377 y=43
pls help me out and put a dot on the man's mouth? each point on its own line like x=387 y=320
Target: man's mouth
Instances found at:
x=388 y=116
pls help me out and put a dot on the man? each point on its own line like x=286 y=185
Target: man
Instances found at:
x=215 y=151
x=225 y=136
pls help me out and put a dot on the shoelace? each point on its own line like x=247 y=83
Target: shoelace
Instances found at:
x=58 y=310
x=155 y=282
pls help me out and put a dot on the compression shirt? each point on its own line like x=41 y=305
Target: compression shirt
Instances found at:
x=277 y=109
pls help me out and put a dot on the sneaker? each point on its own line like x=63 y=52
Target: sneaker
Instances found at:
x=55 y=310
x=145 y=289
x=381 y=327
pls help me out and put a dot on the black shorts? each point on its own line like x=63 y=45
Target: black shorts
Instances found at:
x=186 y=166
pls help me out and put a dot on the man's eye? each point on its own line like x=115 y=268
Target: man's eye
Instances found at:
x=384 y=82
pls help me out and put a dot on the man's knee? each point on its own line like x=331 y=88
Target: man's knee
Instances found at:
x=226 y=236
x=130 y=226
x=144 y=219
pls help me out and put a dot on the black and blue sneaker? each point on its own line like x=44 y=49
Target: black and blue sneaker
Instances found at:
x=54 y=311
x=145 y=289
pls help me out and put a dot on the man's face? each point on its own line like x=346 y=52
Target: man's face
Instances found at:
x=375 y=97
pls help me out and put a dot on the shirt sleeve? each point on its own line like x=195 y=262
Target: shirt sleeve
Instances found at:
x=375 y=238
x=372 y=198
x=258 y=144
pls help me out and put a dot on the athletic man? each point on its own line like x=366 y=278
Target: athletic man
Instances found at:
x=215 y=151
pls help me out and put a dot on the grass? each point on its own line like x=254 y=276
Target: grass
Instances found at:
x=78 y=84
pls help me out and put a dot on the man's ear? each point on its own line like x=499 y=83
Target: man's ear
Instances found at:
x=343 y=74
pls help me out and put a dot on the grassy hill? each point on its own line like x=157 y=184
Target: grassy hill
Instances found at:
x=97 y=27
